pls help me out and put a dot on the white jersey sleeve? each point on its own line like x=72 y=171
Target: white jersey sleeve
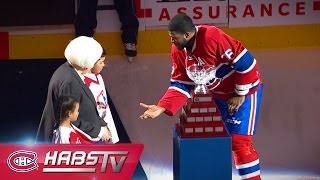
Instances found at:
x=62 y=135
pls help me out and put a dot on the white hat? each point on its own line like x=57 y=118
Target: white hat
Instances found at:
x=83 y=51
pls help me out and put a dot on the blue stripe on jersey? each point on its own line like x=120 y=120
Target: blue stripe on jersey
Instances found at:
x=223 y=70
x=185 y=87
x=244 y=62
x=249 y=170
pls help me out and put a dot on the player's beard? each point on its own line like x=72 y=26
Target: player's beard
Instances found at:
x=181 y=45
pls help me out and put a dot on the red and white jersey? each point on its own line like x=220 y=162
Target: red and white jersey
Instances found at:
x=96 y=85
x=72 y=135
x=237 y=70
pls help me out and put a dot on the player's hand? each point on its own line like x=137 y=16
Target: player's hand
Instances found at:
x=234 y=103
x=152 y=111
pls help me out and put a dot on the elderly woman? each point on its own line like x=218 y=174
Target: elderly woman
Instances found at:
x=68 y=80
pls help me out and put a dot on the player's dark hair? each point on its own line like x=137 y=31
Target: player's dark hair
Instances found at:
x=104 y=52
x=181 y=23
x=64 y=105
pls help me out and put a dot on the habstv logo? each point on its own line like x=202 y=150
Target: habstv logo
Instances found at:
x=22 y=161
x=25 y=161
x=67 y=161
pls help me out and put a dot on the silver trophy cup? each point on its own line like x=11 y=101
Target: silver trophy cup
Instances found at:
x=201 y=75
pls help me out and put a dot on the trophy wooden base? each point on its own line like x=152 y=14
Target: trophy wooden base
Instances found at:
x=200 y=117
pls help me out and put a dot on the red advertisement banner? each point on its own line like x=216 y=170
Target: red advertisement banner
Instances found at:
x=4 y=45
x=81 y=162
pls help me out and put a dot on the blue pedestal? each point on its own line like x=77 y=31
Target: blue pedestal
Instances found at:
x=202 y=158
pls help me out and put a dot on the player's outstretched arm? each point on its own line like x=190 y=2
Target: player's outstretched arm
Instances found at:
x=152 y=111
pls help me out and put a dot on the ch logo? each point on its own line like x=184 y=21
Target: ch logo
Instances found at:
x=22 y=161
x=228 y=54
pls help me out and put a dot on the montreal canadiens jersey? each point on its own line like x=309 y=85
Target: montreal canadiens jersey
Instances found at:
x=72 y=135
x=236 y=69
x=96 y=85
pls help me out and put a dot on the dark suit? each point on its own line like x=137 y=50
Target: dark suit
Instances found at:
x=66 y=81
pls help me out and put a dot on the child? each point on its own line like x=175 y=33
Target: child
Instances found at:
x=67 y=111
x=95 y=82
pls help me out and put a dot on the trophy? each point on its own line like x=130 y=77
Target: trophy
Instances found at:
x=200 y=116
x=201 y=75
x=200 y=137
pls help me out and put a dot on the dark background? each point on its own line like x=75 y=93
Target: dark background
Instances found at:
x=23 y=94
x=36 y=12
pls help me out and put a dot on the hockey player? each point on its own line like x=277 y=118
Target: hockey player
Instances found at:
x=237 y=88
